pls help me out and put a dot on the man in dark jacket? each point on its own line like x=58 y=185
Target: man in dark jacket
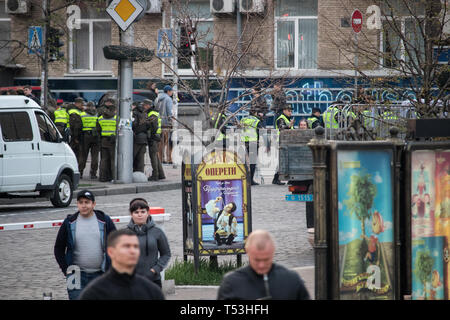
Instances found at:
x=80 y=245
x=121 y=282
x=315 y=119
x=262 y=279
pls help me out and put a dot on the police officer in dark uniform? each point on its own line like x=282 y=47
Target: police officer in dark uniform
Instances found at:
x=315 y=119
x=62 y=122
x=91 y=139
x=76 y=128
x=153 y=140
x=251 y=125
x=283 y=122
x=139 y=127
x=106 y=127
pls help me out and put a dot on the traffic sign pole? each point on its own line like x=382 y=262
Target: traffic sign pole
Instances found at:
x=357 y=20
x=125 y=133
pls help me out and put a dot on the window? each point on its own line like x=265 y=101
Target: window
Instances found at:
x=5 y=35
x=296 y=34
x=47 y=130
x=86 y=43
x=400 y=20
x=16 y=126
x=198 y=11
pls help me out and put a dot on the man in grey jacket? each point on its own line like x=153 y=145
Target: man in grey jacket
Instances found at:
x=165 y=108
x=153 y=243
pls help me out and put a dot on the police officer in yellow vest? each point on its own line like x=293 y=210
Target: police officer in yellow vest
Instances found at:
x=76 y=127
x=106 y=128
x=91 y=139
x=217 y=122
x=250 y=135
x=315 y=119
x=62 y=122
x=331 y=116
x=153 y=140
x=284 y=121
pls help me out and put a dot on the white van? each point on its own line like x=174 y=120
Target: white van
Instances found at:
x=34 y=161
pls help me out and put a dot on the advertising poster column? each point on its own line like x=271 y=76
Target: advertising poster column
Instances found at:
x=365 y=223
x=430 y=221
x=222 y=198
x=188 y=209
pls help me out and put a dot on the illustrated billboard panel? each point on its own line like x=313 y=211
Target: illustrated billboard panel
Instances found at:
x=430 y=224
x=365 y=223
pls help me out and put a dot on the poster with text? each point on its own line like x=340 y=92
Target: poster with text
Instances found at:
x=365 y=222
x=223 y=203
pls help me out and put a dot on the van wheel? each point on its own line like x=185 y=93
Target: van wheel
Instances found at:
x=62 y=196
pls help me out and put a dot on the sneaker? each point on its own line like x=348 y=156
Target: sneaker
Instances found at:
x=254 y=183
x=94 y=177
x=278 y=182
x=161 y=178
x=152 y=179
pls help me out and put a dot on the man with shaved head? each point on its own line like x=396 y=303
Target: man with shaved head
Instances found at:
x=262 y=278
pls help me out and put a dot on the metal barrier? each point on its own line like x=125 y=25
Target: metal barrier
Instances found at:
x=366 y=121
x=157 y=214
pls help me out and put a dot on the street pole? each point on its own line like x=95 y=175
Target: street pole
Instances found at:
x=239 y=32
x=356 y=66
x=174 y=67
x=125 y=133
x=44 y=50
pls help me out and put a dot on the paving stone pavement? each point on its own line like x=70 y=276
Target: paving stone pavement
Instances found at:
x=28 y=268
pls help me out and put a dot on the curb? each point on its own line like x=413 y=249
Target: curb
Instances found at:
x=112 y=191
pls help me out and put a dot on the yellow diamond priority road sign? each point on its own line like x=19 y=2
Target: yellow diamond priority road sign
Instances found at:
x=124 y=12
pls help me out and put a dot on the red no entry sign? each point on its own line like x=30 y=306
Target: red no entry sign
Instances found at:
x=357 y=21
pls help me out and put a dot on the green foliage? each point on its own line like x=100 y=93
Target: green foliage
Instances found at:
x=183 y=272
x=361 y=194
x=423 y=266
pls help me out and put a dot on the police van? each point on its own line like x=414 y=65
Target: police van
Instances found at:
x=34 y=160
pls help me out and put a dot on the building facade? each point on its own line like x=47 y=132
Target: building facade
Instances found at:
x=309 y=44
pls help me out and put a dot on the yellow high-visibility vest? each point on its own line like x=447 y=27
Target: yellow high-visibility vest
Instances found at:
x=311 y=121
x=328 y=118
x=154 y=113
x=62 y=117
x=286 y=120
x=89 y=121
x=108 y=126
x=250 y=125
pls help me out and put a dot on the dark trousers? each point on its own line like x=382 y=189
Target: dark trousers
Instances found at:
x=90 y=144
x=107 y=160
x=252 y=156
x=309 y=215
x=139 y=157
x=157 y=169
x=77 y=148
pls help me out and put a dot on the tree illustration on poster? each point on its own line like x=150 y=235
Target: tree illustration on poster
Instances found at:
x=216 y=206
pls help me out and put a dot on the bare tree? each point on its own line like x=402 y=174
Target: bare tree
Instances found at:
x=216 y=61
x=406 y=45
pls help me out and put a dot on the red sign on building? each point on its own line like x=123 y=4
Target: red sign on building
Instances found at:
x=357 y=21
